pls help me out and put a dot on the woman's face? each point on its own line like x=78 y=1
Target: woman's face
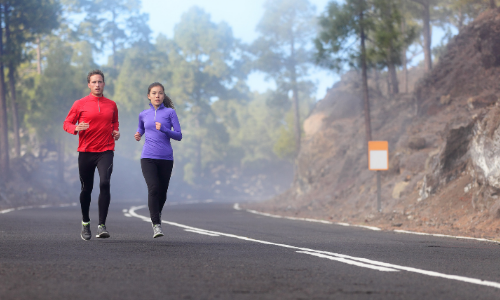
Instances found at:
x=156 y=96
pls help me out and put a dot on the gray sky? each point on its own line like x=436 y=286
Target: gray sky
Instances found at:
x=241 y=15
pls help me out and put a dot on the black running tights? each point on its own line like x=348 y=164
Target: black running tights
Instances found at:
x=157 y=174
x=87 y=162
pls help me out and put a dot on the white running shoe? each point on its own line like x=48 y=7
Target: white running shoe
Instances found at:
x=157 y=231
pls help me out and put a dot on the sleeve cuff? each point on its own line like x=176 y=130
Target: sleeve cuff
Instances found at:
x=164 y=129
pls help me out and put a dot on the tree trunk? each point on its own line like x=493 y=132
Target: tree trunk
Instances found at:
x=377 y=80
x=388 y=84
x=427 y=36
x=12 y=86
x=493 y=5
x=295 y=99
x=14 y=110
x=393 y=78
x=38 y=57
x=404 y=60
x=366 y=98
x=4 y=139
x=405 y=72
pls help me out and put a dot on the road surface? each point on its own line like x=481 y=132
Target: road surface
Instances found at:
x=214 y=251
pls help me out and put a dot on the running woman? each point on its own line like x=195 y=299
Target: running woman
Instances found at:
x=160 y=123
x=97 y=119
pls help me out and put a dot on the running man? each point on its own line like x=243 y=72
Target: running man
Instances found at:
x=97 y=118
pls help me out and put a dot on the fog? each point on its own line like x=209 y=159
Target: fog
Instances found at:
x=238 y=144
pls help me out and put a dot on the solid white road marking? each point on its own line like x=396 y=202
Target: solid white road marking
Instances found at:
x=201 y=232
x=363 y=226
x=447 y=236
x=33 y=206
x=308 y=220
x=330 y=255
x=349 y=262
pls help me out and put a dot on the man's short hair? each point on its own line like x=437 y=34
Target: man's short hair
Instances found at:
x=95 y=72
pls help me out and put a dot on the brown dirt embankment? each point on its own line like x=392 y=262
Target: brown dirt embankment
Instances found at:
x=444 y=147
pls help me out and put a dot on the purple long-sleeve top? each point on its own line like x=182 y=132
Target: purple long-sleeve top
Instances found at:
x=157 y=144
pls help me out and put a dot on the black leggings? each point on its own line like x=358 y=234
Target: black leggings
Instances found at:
x=87 y=162
x=157 y=173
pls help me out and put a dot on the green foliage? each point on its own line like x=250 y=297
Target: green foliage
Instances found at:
x=285 y=145
x=388 y=40
x=201 y=56
x=203 y=68
x=286 y=25
x=133 y=80
x=111 y=23
x=283 y=51
x=189 y=173
x=459 y=13
x=55 y=92
x=340 y=31
x=252 y=129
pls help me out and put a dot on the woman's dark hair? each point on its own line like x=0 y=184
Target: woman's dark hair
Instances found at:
x=166 y=101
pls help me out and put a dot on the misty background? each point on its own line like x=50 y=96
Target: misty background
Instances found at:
x=243 y=77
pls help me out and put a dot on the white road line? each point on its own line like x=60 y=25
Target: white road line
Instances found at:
x=349 y=262
x=363 y=226
x=348 y=259
x=447 y=236
x=34 y=206
x=307 y=219
x=201 y=232
x=189 y=202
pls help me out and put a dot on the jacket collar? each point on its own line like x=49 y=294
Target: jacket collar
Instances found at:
x=92 y=97
x=159 y=107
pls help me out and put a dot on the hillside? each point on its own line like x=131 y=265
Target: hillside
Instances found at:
x=444 y=147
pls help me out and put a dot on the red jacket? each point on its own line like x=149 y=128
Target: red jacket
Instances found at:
x=102 y=116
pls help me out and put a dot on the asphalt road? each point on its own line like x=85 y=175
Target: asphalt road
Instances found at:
x=212 y=251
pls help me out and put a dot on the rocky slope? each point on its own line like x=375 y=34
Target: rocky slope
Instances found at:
x=444 y=147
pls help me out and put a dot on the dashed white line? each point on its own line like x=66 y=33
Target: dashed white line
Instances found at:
x=351 y=260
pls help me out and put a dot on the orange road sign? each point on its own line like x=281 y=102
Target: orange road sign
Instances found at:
x=378 y=155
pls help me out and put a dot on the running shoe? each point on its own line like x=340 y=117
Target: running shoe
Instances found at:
x=102 y=232
x=157 y=231
x=86 y=234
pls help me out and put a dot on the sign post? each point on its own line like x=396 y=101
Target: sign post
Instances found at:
x=378 y=160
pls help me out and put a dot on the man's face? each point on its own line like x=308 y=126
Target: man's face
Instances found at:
x=96 y=85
